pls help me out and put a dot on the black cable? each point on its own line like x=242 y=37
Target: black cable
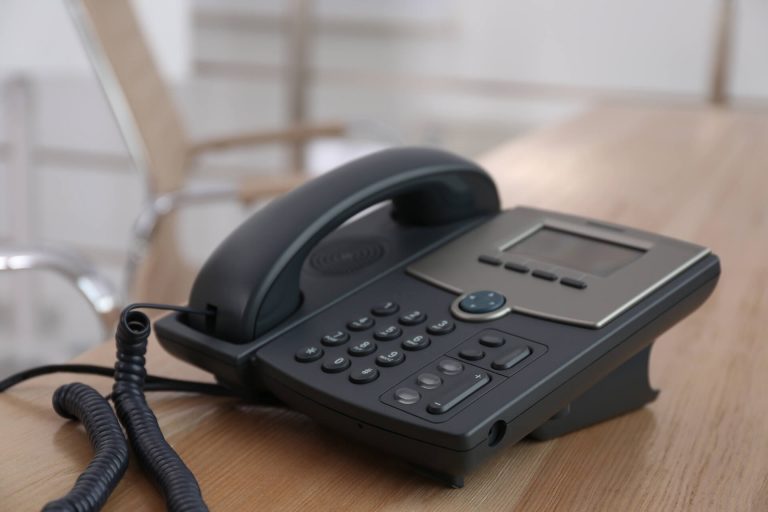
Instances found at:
x=79 y=401
x=155 y=380
x=159 y=460
x=96 y=483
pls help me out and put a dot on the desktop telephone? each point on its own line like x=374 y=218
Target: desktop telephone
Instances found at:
x=392 y=300
x=436 y=327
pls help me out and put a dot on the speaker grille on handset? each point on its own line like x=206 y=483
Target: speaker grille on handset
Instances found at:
x=346 y=255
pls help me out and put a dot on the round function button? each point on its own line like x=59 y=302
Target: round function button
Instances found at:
x=429 y=380
x=364 y=375
x=471 y=354
x=392 y=358
x=450 y=367
x=414 y=317
x=309 y=354
x=388 y=333
x=418 y=342
x=407 y=396
x=363 y=348
x=361 y=324
x=482 y=302
x=336 y=365
x=334 y=339
x=491 y=340
x=385 y=309
x=441 y=327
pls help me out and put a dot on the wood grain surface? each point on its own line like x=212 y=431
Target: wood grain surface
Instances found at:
x=700 y=175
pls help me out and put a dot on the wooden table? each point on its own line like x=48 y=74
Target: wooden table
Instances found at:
x=700 y=175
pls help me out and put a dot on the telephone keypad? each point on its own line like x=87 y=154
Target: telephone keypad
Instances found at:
x=418 y=342
x=336 y=365
x=388 y=333
x=361 y=324
x=441 y=327
x=364 y=375
x=391 y=358
x=385 y=309
x=363 y=348
x=334 y=339
x=309 y=354
x=414 y=317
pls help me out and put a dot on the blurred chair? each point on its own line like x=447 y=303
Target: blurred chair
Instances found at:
x=159 y=147
x=93 y=286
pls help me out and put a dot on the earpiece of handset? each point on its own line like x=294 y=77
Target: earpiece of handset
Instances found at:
x=251 y=281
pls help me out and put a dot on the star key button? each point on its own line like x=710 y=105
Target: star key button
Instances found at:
x=309 y=354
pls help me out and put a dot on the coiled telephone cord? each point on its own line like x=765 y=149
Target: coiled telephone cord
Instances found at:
x=80 y=401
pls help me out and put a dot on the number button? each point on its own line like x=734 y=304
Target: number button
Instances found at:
x=363 y=348
x=336 y=365
x=334 y=339
x=441 y=327
x=413 y=318
x=364 y=376
x=392 y=358
x=385 y=309
x=418 y=342
x=309 y=354
x=361 y=324
x=388 y=333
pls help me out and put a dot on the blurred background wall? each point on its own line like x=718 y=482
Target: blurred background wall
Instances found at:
x=460 y=74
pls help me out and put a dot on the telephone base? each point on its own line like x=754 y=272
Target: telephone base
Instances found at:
x=453 y=481
x=625 y=389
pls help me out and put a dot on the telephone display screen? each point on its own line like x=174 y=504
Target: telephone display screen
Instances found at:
x=597 y=257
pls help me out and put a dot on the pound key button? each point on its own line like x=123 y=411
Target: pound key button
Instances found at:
x=309 y=354
x=334 y=339
x=392 y=358
x=418 y=342
x=388 y=333
x=441 y=327
x=364 y=375
x=361 y=324
x=336 y=365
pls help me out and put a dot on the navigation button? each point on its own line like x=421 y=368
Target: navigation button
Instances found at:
x=484 y=301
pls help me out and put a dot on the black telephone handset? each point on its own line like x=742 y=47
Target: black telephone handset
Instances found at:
x=251 y=281
x=465 y=328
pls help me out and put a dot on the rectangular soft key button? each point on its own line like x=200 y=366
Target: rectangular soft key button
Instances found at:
x=511 y=358
x=470 y=382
